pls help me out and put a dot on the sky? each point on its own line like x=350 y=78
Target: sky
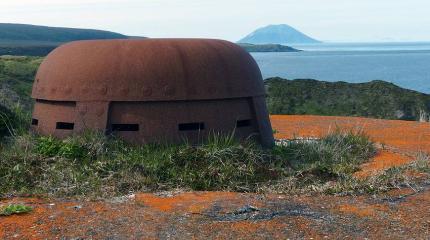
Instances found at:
x=327 y=20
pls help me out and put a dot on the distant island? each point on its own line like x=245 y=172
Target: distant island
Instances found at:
x=267 y=48
x=375 y=99
x=278 y=34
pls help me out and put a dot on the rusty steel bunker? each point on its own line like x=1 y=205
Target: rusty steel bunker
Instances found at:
x=151 y=90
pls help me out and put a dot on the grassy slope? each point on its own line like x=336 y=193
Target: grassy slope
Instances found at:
x=376 y=99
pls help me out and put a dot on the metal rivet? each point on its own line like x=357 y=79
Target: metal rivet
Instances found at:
x=100 y=112
x=103 y=90
x=124 y=91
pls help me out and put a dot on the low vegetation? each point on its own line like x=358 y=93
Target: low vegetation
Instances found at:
x=376 y=99
x=96 y=165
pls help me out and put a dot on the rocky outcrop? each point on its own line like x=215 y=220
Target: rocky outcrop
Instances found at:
x=424 y=116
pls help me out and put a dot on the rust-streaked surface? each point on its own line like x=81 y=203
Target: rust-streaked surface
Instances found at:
x=154 y=83
x=148 y=70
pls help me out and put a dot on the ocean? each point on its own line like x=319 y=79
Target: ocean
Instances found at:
x=404 y=64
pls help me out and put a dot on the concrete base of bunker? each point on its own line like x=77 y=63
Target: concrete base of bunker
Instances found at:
x=149 y=122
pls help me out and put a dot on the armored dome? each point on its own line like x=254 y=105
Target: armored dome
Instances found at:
x=147 y=70
x=151 y=90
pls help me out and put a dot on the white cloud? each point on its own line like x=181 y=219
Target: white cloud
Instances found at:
x=347 y=20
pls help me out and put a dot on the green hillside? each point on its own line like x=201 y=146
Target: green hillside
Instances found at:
x=32 y=40
x=24 y=32
x=376 y=99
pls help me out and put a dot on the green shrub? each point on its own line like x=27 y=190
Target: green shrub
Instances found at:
x=51 y=147
x=14 y=209
x=48 y=146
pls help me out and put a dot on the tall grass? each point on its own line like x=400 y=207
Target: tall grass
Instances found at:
x=336 y=155
x=14 y=121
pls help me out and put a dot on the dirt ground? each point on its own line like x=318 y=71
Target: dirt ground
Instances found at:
x=400 y=140
x=400 y=214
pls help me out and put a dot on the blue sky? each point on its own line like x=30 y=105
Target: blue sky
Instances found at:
x=329 y=20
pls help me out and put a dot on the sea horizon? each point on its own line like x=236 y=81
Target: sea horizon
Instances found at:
x=405 y=64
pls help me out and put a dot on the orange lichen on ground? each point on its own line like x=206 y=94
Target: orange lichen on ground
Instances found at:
x=402 y=135
x=400 y=139
x=45 y=216
x=363 y=210
x=383 y=160
x=277 y=217
x=194 y=202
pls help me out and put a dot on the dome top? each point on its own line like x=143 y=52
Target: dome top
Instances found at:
x=147 y=70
